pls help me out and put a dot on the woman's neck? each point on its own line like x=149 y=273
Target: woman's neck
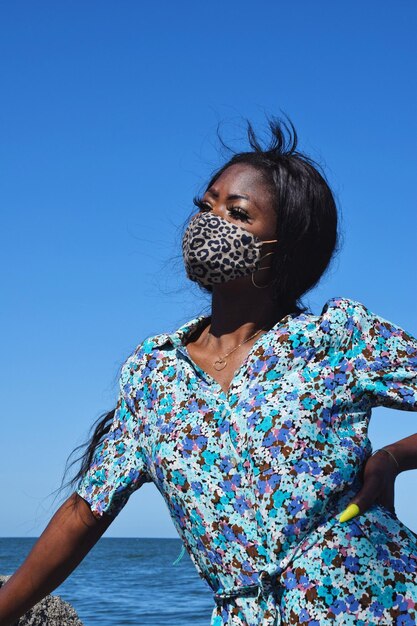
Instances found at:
x=234 y=318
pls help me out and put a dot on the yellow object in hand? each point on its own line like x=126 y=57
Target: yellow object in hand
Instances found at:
x=349 y=512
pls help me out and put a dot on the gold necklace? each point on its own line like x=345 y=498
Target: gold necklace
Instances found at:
x=221 y=362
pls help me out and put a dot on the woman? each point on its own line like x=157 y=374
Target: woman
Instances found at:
x=252 y=421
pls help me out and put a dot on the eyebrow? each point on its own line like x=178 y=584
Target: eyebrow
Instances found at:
x=231 y=196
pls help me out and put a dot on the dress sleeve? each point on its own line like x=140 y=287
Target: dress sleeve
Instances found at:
x=384 y=359
x=118 y=467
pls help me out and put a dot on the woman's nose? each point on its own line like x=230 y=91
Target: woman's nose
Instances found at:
x=221 y=211
x=217 y=209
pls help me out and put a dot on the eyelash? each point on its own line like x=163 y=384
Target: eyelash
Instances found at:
x=236 y=211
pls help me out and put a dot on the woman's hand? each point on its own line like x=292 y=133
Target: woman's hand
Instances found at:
x=379 y=474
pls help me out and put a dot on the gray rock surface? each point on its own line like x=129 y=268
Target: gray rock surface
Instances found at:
x=51 y=611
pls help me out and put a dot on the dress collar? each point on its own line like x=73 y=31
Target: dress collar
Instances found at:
x=178 y=337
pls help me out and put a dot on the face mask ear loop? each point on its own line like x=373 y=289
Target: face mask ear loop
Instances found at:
x=262 y=268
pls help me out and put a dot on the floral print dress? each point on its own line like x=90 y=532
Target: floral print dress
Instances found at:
x=255 y=478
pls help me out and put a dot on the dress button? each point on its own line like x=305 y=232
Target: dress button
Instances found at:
x=234 y=461
x=251 y=514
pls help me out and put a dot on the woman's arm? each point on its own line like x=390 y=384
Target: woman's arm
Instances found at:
x=69 y=536
x=405 y=451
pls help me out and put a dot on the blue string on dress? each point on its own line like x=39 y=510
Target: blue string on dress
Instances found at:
x=179 y=557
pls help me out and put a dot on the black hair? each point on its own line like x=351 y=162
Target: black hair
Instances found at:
x=307 y=216
x=307 y=233
x=96 y=435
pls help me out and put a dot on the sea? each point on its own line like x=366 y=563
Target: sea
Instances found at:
x=125 y=581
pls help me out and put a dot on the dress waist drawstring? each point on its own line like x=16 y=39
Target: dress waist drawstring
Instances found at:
x=267 y=584
x=267 y=587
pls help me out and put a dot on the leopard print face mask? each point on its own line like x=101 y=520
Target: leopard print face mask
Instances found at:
x=216 y=251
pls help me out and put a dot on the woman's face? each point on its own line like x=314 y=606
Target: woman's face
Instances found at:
x=241 y=196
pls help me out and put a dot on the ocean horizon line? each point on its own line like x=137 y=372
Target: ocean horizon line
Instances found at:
x=112 y=537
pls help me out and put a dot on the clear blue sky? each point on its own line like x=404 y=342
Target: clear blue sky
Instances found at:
x=108 y=128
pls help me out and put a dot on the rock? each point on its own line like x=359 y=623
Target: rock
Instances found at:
x=51 y=611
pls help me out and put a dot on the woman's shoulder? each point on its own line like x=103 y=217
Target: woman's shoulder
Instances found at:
x=151 y=346
x=344 y=315
x=341 y=322
x=346 y=320
x=349 y=313
x=139 y=360
x=340 y=314
x=343 y=307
